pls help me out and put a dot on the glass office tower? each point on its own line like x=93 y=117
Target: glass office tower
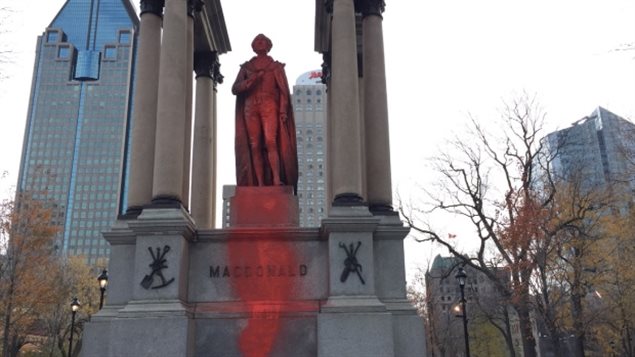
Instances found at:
x=597 y=149
x=77 y=133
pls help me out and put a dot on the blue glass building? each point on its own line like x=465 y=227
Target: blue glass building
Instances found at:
x=597 y=150
x=76 y=140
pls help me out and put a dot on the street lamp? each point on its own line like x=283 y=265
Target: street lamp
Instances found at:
x=74 y=307
x=103 y=282
x=461 y=277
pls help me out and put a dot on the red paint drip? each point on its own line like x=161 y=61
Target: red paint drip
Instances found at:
x=264 y=272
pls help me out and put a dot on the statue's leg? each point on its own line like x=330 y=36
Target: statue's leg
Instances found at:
x=270 y=124
x=254 y=130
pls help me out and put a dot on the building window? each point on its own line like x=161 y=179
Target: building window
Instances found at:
x=63 y=52
x=110 y=52
x=87 y=66
x=52 y=36
x=124 y=37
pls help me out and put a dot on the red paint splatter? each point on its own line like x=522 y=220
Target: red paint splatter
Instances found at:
x=264 y=271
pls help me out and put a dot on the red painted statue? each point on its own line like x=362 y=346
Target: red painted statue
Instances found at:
x=266 y=152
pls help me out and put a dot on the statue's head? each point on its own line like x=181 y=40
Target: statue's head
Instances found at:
x=261 y=43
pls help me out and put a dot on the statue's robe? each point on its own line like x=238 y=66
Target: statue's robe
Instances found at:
x=286 y=139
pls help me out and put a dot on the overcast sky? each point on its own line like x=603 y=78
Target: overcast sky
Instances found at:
x=444 y=59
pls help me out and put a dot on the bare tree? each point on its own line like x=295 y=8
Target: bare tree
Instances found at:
x=625 y=47
x=503 y=186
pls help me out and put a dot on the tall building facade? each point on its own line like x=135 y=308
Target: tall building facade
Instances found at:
x=228 y=192
x=78 y=122
x=597 y=149
x=309 y=108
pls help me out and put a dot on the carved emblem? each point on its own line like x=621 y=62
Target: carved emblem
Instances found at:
x=157 y=265
x=351 y=265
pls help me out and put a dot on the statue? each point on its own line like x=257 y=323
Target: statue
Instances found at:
x=266 y=152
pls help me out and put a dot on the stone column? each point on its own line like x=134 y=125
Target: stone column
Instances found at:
x=346 y=156
x=326 y=79
x=192 y=7
x=145 y=106
x=379 y=186
x=172 y=109
x=204 y=153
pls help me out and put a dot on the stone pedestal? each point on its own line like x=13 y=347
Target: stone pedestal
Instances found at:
x=268 y=206
x=256 y=290
x=355 y=335
x=147 y=311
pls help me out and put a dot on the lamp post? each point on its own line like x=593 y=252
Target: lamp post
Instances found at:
x=461 y=277
x=74 y=307
x=103 y=282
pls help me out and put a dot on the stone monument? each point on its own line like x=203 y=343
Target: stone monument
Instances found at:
x=264 y=287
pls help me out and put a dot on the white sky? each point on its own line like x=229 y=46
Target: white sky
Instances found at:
x=444 y=59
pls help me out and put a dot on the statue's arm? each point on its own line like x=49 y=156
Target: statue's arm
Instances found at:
x=244 y=81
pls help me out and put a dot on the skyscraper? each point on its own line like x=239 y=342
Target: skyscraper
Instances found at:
x=598 y=149
x=78 y=122
x=309 y=108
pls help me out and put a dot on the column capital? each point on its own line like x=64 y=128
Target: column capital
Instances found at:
x=206 y=64
x=326 y=67
x=194 y=6
x=152 y=6
x=366 y=7
x=328 y=5
x=370 y=7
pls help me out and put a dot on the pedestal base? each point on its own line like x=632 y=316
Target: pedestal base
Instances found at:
x=355 y=334
x=337 y=290
x=268 y=206
x=146 y=332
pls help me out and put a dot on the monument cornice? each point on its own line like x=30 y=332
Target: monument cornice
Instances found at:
x=164 y=221
x=259 y=233
x=390 y=232
x=349 y=224
x=152 y=6
x=120 y=234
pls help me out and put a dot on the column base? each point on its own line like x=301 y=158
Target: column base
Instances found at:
x=131 y=213
x=348 y=199
x=165 y=201
x=382 y=209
